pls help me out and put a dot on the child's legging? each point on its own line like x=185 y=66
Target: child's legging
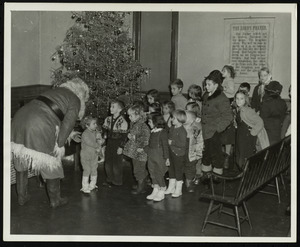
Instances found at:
x=190 y=169
x=139 y=169
x=212 y=154
x=176 y=166
x=89 y=167
x=157 y=167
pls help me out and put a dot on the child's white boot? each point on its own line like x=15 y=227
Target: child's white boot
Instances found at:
x=160 y=195
x=171 y=186
x=85 y=185
x=178 y=190
x=93 y=182
x=154 y=192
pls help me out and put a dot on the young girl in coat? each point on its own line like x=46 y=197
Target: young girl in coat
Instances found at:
x=194 y=148
x=177 y=140
x=249 y=124
x=194 y=107
x=167 y=109
x=138 y=138
x=228 y=74
x=89 y=154
x=195 y=95
x=158 y=156
x=216 y=117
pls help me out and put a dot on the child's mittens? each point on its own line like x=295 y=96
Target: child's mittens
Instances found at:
x=167 y=162
x=119 y=151
x=131 y=137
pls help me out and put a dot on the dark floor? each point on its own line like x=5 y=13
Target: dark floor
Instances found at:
x=114 y=211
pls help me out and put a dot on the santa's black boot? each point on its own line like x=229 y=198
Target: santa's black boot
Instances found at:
x=22 y=185
x=53 y=188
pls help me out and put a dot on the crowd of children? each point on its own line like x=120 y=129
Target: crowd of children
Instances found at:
x=182 y=140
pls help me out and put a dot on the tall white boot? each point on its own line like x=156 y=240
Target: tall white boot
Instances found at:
x=171 y=186
x=154 y=192
x=160 y=195
x=85 y=185
x=178 y=190
x=93 y=182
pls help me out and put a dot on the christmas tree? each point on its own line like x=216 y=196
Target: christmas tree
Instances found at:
x=98 y=49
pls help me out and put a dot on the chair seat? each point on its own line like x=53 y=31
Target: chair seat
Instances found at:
x=219 y=198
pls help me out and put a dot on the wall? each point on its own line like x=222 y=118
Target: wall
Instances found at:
x=35 y=36
x=201 y=46
x=54 y=26
x=25 y=48
x=155 y=48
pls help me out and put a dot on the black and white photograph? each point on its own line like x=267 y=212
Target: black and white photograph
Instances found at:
x=150 y=122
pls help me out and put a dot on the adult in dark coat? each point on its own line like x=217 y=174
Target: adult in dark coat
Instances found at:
x=216 y=117
x=265 y=77
x=39 y=131
x=273 y=111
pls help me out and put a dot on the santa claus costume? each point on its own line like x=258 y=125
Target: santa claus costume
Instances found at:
x=39 y=131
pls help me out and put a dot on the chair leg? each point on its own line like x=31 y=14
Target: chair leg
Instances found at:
x=283 y=183
x=207 y=214
x=220 y=209
x=247 y=214
x=277 y=189
x=237 y=220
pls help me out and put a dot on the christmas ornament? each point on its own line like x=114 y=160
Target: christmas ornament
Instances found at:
x=99 y=50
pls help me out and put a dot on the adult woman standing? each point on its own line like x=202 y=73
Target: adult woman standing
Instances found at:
x=39 y=131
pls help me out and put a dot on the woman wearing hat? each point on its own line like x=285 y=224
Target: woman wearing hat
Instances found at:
x=216 y=117
x=39 y=131
x=273 y=110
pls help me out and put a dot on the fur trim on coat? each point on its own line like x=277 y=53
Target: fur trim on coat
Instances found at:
x=33 y=159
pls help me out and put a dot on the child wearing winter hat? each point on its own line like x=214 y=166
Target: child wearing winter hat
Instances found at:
x=216 y=117
x=273 y=110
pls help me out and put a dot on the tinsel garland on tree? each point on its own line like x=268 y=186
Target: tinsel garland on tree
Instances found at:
x=98 y=49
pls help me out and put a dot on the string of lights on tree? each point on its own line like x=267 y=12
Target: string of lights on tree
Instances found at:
x=98 y=49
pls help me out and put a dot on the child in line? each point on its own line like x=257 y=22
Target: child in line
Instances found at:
x=177 y=140
x=101 y=141
x=152 y=96
x=155 y=107
x=195 y=94
x=249 y=124
x=245 y=87
x=273 y=110
x=194 y=148
x=88 y=154
x=228 y=136
x=264 y=75
x=115 y=128
x=158 y=156
x=194 y=107
x=228 y=74
x=216 y=117
x=178 y=98
x=167 y=108
x=138 y=137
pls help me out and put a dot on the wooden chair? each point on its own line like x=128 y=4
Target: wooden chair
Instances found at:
x=259 y=170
